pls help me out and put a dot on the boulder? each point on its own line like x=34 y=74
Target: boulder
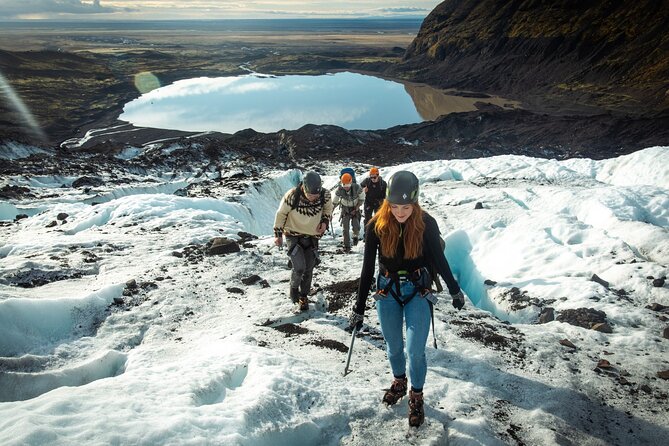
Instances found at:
x=582 y=317
x=86 y=181
x=221 y=246
x=251 y=279
x=547 y=315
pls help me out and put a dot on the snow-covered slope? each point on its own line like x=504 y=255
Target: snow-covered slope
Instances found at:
x=115 y=328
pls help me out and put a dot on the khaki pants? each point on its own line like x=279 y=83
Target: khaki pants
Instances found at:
x=348 y=220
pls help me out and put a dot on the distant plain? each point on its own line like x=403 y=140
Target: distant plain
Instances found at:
x=71 y=98
x=74 y=76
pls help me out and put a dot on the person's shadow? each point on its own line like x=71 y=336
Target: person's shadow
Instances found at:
x=574 y=417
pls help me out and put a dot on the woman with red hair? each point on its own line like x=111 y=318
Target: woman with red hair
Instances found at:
x=407 y=241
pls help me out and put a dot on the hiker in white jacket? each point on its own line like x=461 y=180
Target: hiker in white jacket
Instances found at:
x=349 y=197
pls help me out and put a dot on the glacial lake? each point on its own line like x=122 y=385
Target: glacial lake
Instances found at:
x=272 y=103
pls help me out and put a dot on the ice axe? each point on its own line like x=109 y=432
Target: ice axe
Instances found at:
x=350 y=349
x=332 y=229
x=274 y=246
x=269 y=251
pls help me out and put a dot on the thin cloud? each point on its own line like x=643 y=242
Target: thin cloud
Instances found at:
x=400 y=10
x=312 y=13
x=16 y=9
x=205 y=9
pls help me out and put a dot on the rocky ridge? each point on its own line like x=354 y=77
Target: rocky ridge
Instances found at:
x=562 y=56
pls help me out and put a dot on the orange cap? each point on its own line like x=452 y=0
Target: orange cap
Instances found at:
x=374 y=171
x=346 y=178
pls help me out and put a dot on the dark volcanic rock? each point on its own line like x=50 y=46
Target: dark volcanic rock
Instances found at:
x=492 y=132
x=246 y=236
x=602 y=327
x=547 y=315
x=86 y=181
x=613 y=55
x=221 y=246
x=340 y=294
x=658 y=307
x=36 y=277
x=567 y=343
x=251 y=279
x=9 y=192
x=330 y=344
x=595 y=278
x=291 y=329
x=582 y=317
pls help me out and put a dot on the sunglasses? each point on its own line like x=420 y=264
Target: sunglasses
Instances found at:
x=373 y=177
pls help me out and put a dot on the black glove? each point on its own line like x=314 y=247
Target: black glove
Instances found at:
x=458 y=300
x=355 y=321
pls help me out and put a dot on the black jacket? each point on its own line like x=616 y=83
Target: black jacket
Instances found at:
x=432 y=254
x=376 y=192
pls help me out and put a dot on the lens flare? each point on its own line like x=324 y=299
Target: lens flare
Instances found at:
x=23 y=111
x=146 y=81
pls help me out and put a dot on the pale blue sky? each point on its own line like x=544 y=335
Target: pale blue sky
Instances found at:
x=209 y=9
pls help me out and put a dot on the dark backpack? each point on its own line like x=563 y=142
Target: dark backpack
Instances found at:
x=348 y=170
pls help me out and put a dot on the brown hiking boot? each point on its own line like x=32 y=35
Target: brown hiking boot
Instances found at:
x=304 y=303
x=416 y=411
x=397 y=390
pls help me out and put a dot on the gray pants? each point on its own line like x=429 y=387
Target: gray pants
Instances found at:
x=303 y=253
x=348 y=220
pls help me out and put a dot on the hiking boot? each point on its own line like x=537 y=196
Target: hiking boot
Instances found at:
x=294 y=295
x=347 y=249
x=397 y=390
x=355 y=240
x=416 y=411
x=304 y=303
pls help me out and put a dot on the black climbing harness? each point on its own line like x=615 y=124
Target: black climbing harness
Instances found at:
x=421 y=281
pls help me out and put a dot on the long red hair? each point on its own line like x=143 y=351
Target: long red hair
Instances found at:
x=387 y=228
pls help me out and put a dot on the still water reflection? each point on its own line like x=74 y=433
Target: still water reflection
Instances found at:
x=268 y=103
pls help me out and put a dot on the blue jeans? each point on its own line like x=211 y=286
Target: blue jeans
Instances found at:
x=416 y=313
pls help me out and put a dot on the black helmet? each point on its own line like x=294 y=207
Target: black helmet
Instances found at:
x=402 y=188
x=312 y=182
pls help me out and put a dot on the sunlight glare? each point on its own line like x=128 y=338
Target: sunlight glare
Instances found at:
x=16 y=102
x=146 y=81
